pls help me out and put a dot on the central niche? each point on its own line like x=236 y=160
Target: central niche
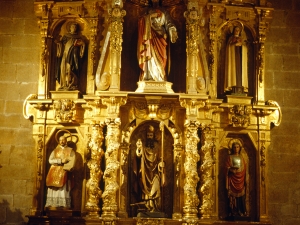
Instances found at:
x=139 y=202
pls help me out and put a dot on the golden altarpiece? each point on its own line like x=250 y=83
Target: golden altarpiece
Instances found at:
x=104 y=111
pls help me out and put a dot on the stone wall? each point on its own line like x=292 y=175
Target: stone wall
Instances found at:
x=19 y=60
x=283 y=85
x=19 y=64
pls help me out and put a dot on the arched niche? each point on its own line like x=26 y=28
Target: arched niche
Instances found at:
x=225 y=31
x=74 y=141
x=134 y=194
x=250 y=155
x=177 y=66
x=58 y=29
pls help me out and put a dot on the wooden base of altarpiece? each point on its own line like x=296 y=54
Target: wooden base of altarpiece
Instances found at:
x=77 y=220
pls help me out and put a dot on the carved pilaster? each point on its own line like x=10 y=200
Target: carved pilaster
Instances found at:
x=192 y=50
x=197 y=71
x=263 y=144
x=178 y=168
x=93 y=19
x=123 y=177
x=116 y=15
x=94 y=164
x=109 y=196
x=213 y=26
x=264 y=18
x=207 y=170
x=191 y=200
x=43 y=12
x=37 y=206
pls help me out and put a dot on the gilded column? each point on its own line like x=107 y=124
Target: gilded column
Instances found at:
x=207 y=177
x=94 y=164
x=109 y=196
x=116 y=15
x=113 y=141
x=191 y=200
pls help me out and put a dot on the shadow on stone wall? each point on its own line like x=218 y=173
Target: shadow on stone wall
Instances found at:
x=7 y=216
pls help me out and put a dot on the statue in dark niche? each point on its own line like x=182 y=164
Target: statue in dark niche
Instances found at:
x=59 y=177
x=70 y=50
x=150 y=176
x=153 y=30
x=236 y=180
x=236 y=69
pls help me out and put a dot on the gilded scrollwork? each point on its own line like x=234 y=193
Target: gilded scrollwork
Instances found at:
x=275 y=115
x=94 y=164
x=240 y=115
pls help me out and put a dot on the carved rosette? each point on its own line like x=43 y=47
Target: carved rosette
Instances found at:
x=207 y=179
x=191 y=200
x=116 y=15
x=240 y=115
x=64 y=110
x=110 y=206
x=93 y=191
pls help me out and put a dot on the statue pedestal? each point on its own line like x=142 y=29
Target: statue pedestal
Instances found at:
x=154 y=87
x=238 y=99
x=151 y=215
x=65 y=94
x=61 y=212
